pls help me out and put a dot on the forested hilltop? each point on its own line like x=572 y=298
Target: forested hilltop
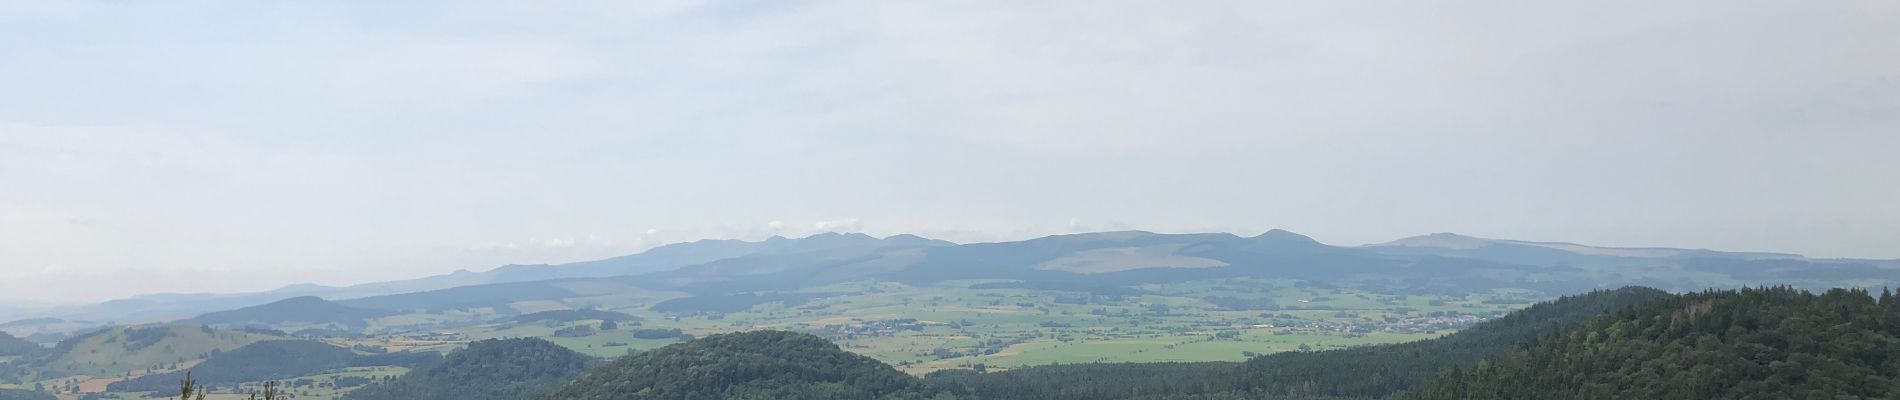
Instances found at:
x=751 y=365
x=1773 y=343
x=496 y=369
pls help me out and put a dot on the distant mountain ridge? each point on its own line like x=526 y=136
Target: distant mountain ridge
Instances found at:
x=1452 y=243
x=1444 y=261
x=306 y=309
x=169 y=306
x=1113 y=263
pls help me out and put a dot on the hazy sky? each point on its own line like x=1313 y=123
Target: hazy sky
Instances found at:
x=243 y=145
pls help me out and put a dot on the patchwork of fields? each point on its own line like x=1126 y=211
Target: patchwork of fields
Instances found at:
x=983 y=324
x=922 y=329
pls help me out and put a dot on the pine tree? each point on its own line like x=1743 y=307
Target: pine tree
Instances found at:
x=270 y=392
x=189 y=389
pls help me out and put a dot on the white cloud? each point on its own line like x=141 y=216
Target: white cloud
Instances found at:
x=839 y=225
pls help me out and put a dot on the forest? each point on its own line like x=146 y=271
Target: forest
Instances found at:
x=1766 y=343
x=496 y=369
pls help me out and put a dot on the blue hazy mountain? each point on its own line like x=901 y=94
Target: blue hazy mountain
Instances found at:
x=305 y=309
x=1105 y=261
x=167 y=306
x=1117 y=263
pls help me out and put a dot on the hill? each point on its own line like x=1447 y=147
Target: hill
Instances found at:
x=662 y=258
x=47 y=330
x=13 y=346
x=498 y=295
x=120 y=350
x=30 y=322
x=306 y=310
x=1751 y=343
x=265 y=360
x=1112 y=263
x=750 y=365
x=495 y=369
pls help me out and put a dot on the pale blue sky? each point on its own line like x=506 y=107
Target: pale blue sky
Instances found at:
x=234 y=146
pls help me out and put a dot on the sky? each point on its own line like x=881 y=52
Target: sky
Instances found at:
x=242 y=146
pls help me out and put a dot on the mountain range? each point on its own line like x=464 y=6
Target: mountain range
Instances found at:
x=1102 y=261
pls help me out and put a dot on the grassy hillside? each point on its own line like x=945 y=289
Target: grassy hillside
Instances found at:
x=118 y=351
x=260 y=361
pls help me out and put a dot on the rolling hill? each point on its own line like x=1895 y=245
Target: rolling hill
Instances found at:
x=118 y=351
x=306 y=310
x=496 y=369
x=169 y=306
x=1114 y=262
x=1110 y=261
x=13 y=346
x=749 y=365
x=260 y=361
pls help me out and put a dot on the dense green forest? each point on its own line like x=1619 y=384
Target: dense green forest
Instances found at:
x=1772 y=343
x=749 y=365
x=266 y=360
x=495 y=369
